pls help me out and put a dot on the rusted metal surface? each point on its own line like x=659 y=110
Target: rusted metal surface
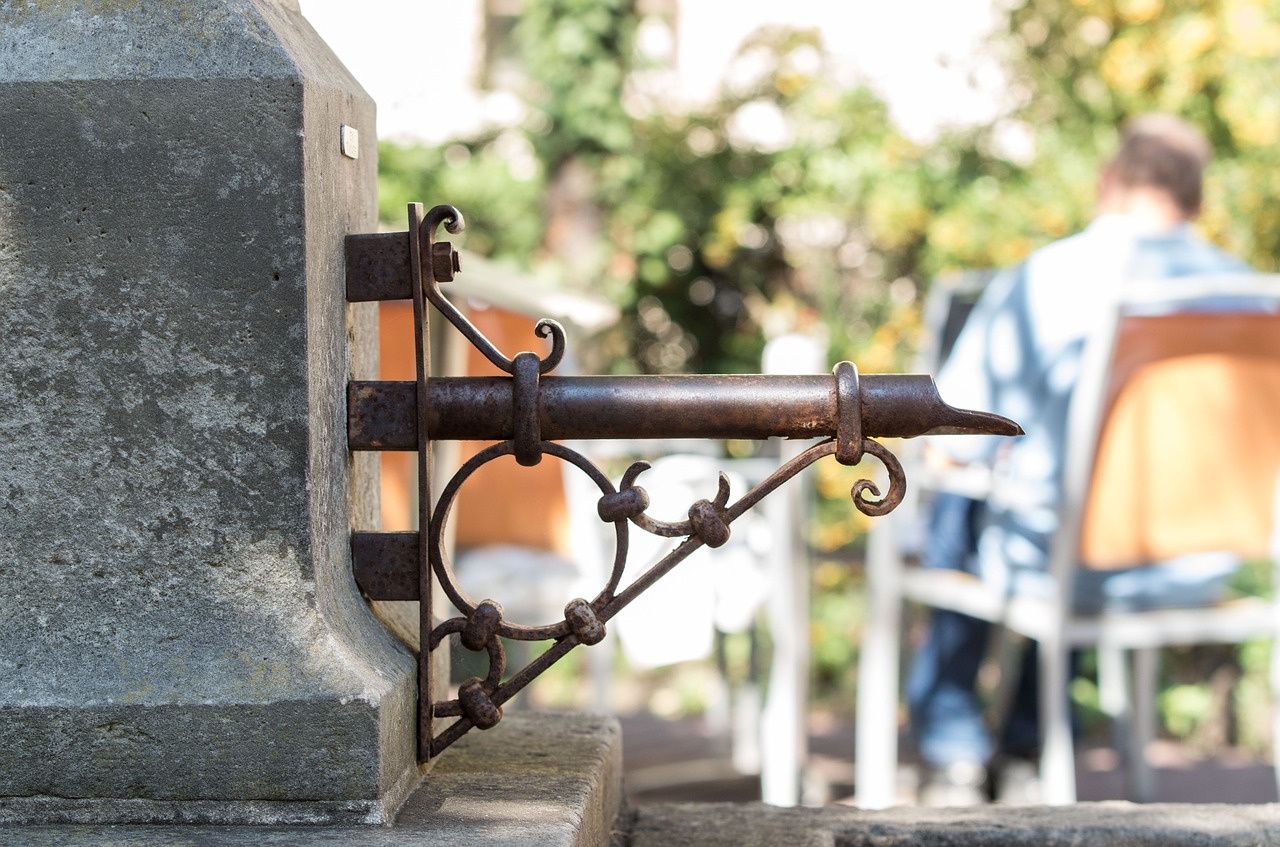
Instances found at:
x=378 y=267
x=529 y=412
x=380 y=414
x=422 y=367
x=386 y=564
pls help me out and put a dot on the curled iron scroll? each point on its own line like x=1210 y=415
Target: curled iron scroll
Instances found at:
x=453 y=222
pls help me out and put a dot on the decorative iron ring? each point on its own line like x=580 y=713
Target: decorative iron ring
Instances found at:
x=666 y=529
x=585 y=622
x=849 y=441
x=481 y=625
x=492 y=680
x=524 y=409
x=444 y=571
x=478 y=705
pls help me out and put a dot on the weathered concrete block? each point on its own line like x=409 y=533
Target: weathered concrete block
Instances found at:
x=180 y=636
x=532 y=781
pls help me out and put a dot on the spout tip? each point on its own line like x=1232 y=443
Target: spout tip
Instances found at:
x=909 y=405
x=968 y=422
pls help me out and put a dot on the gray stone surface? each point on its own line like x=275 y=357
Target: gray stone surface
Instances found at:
x=1111 y=824
x=180 y=635
x=534 y=780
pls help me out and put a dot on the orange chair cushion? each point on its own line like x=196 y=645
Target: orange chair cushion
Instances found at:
x=1187 y=461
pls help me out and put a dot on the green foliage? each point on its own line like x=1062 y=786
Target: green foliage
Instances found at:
x=577 y=54
x=835 y=620
x=1254 y=579
x=1185 y=707
x=713 y=236
x=1253 y=698
x=500 y=205
x=1088 y=702
x=792 y=201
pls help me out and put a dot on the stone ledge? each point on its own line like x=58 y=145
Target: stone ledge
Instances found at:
x=535 y=780
x=1112 y=824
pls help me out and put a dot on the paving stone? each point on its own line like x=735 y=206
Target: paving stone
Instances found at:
x=1112 y=824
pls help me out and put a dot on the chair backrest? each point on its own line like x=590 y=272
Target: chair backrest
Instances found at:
x=950 y=300
x=948 y=305
x=1182 y=448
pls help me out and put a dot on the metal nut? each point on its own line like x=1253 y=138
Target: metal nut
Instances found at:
x=445 y=261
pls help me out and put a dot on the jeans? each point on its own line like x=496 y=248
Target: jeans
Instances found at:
x=941 y=686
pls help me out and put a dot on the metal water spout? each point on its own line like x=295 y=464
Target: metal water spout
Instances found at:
x=529 y=412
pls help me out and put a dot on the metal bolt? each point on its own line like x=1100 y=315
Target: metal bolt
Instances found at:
x=445 y=261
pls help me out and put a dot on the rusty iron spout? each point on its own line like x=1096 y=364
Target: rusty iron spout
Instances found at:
x=703 y=406
x=913 y=407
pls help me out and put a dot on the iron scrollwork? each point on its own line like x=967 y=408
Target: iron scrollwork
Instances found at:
x=847 y=408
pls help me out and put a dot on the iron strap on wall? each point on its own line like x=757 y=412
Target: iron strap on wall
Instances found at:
x=528 y=411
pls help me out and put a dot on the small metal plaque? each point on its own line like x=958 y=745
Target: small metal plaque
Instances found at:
x=350 y=142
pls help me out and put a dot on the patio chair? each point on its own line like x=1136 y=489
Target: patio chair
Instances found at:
x=1173 y=450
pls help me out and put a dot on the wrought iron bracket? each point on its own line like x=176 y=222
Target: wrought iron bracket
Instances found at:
x=528 y=412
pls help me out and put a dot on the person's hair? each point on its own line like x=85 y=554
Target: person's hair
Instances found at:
x=1164 y=152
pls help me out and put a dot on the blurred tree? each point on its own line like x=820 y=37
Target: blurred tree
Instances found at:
x=793 y=195
x=790 y=199
x=1082 y=66
x=785 y=201
x=577 y=57
x=493 y=179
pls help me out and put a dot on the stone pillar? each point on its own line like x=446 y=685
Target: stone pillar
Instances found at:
x=180 y=635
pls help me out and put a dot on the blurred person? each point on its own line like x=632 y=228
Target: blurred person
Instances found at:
x=1018 y=355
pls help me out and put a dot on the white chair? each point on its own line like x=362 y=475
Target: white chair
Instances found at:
x=1173 y=447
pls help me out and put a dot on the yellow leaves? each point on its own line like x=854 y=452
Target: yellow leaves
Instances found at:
x=835 y=535
x=1250 y=31
x=1126 y=65
x=1254 y=116
x=1251 y=201
x=791 y=84
x=1011 y=250
x=896 y=213
x=992 y=235
x=883 y=353
x=1139 y=11
x=722 y=241
x=947 y=234
x=1052 y=222
x=1247 y=47
x=834 y=482
x=834 y=479
x=1192 y=40
x=717 y=254
x=829 y=576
